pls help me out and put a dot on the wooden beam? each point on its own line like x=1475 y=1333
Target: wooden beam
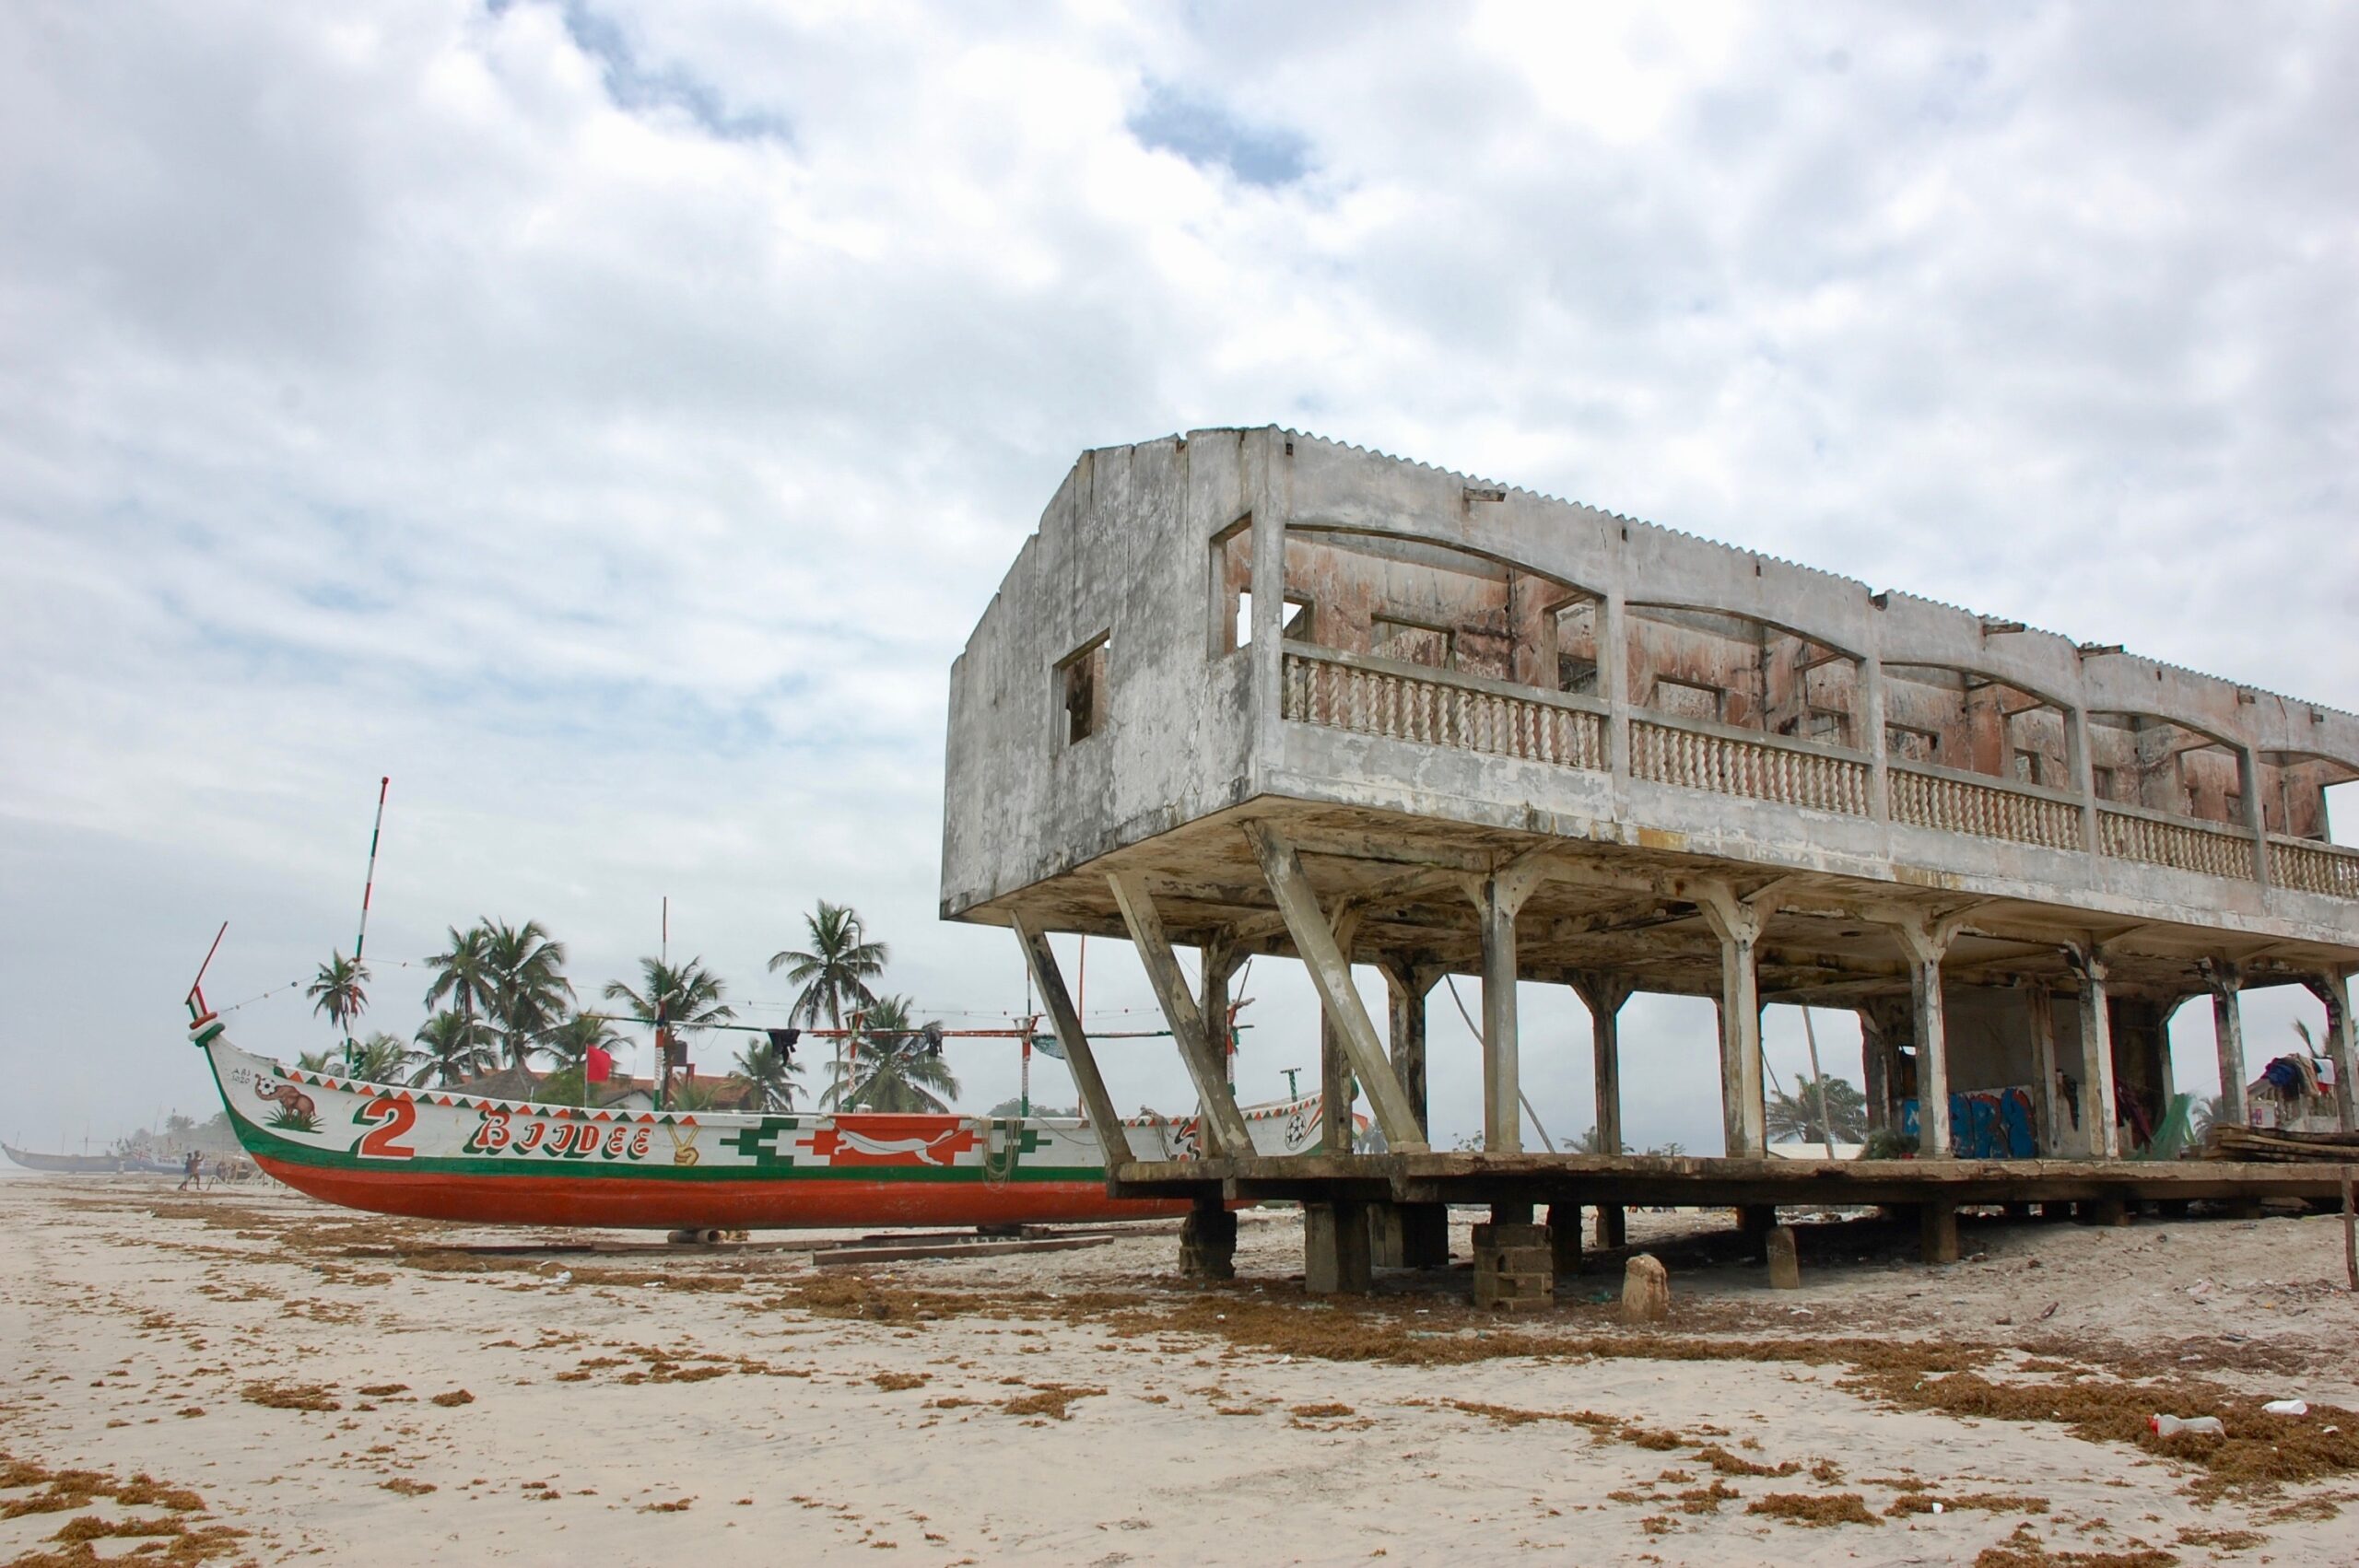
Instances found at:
x=1114 y=1142
x=1221 y=1118
x=1331 y=977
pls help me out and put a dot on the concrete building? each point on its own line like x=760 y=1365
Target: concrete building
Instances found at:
x=1255 y=692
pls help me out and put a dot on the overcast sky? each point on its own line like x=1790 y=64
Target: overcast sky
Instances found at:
x=608 y=421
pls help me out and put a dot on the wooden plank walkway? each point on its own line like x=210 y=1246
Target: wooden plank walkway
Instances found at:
x=1714 y=1182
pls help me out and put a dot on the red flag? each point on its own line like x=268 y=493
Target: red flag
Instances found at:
x=601 y=1065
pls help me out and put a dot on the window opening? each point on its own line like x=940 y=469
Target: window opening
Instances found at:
x=1082 y=685
x=1911 y=745
x=1294 y=620
x=2101 y=782
x=1241 y=631
x=2028 y=767
x=1431 y=646
x=1689 y=699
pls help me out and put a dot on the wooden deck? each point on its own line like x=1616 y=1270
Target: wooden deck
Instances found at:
x=1633 y=1180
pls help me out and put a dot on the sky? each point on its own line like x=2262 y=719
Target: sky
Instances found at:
x=607 y=422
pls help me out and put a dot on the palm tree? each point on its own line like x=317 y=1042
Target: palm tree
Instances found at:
x=571 y=1041
x=687 y=997
x=336 y=990
x=453 y=1048
x=772 y=1073
x=894 y=1065
x=1793 y=1116
x=314 y=1061
x=835 y=970
x=381 y=1059
x=463 y=973
x=529 y=990
x=2209 y=1112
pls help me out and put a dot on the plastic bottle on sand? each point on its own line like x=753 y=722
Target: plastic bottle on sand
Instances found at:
x=2171 y=1426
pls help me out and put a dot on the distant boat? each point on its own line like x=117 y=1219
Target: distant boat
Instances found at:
x=445 y=1154
x=90 y=1164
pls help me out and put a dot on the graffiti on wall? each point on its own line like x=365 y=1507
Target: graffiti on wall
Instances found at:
x=1985 y=1124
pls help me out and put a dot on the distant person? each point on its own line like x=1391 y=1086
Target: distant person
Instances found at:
x=193 y=1173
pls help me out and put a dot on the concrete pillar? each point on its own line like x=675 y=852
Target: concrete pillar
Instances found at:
x=2334 y=990
x=1613 y=685
x=1208 y=1242
x=1219 y=963
x=2100 y=1138
x=1603 y=994
x=2043 y=1057
x=1923 y=946
x=2228 y=1031
x=2076 y=758
x=1744 y=1117
x=1334 y=1250
x=1502 y=1070
x=1408 y=984
x=1410 y=1236
x=1885 y=1027
x=1564 y=1239
x=1871 y=738
x=1937 y=1232
x=2256 y=819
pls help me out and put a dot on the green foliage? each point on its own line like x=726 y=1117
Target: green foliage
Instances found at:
x=464 y=975
x=894 y=1065
x=1884 y=1143
x=571 y=1041
x=1794 y=1117
x=452 y=1047
x=529 y=990
x=771 y=1073
x=562 y=1087
x=686 y=996
x=380 y=1058
x=834 y=971
x=338 y=992
x=2210 y=1112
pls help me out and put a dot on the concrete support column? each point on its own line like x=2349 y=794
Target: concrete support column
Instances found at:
x=1208 y=1242
x=2255 y=821
x=2085 y=784
x=1330 y=976
x=1222 y=1123
x=1497 y=899
x=2043 y=1057
x=1613 y=684
x=1603 y=994
x=1339 y=1091
x=1408 y=983
x=2228 y=1030
x=2334 y=989
x=1745 y=1116
x=1410 y=1236
x=1871 y=738
x=1923 y=944
x=2100 y=1136
x=1334 y=1250
x=1884 y=1027
x=1218 y=967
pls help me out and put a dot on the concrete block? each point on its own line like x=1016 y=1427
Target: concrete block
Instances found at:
x=1785 y=1262
x=1937 y=1232
x=1208 y=1243
x=1565 y=1237
x=1334 y=1246
x=1645 y=1291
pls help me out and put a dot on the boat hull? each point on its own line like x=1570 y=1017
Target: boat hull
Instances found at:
x=88 y=1165
x=443 y=1154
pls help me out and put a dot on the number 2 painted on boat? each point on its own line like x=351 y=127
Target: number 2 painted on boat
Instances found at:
x=392 y=1117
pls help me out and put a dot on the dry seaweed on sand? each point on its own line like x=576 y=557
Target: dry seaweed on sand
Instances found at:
x=1818 y=1509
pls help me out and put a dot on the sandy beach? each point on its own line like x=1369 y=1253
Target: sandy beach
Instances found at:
x=245 y=1376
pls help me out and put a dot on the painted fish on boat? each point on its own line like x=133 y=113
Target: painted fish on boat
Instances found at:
x=444 y=1155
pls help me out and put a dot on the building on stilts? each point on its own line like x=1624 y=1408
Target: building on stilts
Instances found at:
x=1252 y=692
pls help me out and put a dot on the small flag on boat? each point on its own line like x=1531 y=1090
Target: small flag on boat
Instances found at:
x=601 y=1065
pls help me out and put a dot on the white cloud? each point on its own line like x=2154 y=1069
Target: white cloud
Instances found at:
x=608 y=421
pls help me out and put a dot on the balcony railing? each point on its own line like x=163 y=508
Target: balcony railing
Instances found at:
x=2311 y=867
x=1401 y=701
x=2165 y=841
x=1924 y=797
x=1759 y=767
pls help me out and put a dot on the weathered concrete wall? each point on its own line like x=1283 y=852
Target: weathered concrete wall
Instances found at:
x=1127 y=548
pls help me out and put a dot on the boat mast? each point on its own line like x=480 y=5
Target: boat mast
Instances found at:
x=367 y=890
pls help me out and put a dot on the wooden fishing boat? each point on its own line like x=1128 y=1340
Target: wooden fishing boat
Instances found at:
x=89 y=1164
x=444 y=1155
